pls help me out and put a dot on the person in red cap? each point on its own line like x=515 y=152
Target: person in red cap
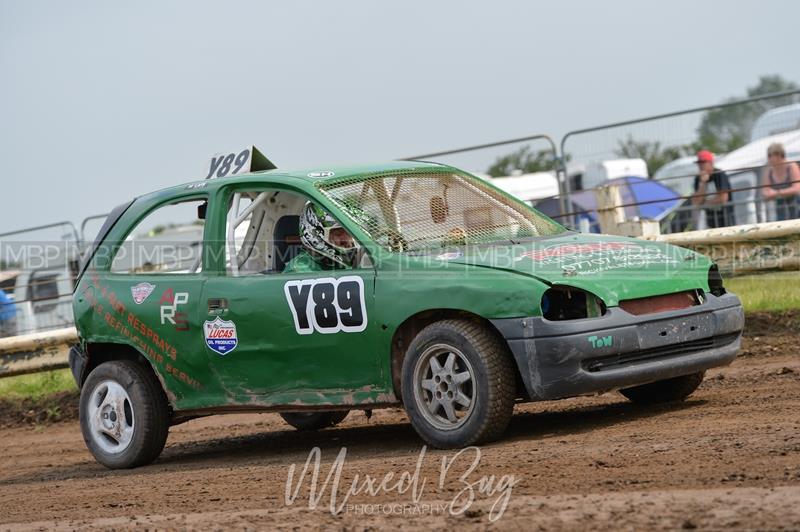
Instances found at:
x=712 y=190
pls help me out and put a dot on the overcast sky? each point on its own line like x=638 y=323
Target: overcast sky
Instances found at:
x=103 y=101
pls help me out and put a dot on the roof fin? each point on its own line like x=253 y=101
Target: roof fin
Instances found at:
x=260 y=161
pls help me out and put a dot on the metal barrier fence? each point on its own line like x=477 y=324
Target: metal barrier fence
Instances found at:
x=753 y=207
x=550 y=150
x=659 y=147
x=739 y=132
x=38 y=277
x=536 y=160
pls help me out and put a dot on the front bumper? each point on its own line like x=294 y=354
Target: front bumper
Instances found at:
x=559 y=359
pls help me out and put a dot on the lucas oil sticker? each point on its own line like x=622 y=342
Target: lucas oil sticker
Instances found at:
x=141 y=291
x=220 y=335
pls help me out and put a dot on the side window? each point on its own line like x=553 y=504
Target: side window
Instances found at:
x=262 y=236
x=168 y=240
x=43 y=291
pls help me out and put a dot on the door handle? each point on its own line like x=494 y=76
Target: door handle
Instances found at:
x=217 y=306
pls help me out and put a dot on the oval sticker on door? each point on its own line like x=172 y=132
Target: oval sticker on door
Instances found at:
x=327 y=173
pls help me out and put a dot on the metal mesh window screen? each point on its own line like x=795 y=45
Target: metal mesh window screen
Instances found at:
x=416 y=211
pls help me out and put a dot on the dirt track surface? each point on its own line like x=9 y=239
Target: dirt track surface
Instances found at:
x=727 y=458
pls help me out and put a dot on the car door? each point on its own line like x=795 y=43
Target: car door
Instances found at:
x=281 y=338
x=152 y=295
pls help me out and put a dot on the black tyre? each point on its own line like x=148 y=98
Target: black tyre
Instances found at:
x=675 y=389
x=314 y=420
x=124 y=414
x=458 y=384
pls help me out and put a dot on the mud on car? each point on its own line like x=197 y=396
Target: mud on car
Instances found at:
x=454 y=300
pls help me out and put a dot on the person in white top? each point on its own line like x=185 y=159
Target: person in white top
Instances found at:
x=781 y=182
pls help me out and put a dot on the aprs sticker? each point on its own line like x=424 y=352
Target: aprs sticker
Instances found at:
x=170 y=300
x=220 y=335
x=141 y=291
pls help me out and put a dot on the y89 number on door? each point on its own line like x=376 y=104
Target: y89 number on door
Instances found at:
x=327 y=305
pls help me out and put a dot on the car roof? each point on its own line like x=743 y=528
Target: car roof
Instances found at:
x=306 y=175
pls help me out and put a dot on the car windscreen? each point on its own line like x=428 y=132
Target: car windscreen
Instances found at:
x=423 y=211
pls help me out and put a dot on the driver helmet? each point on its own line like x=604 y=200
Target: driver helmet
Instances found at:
x=316 y=226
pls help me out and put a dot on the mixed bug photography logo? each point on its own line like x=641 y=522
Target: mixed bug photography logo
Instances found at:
x=456 y=473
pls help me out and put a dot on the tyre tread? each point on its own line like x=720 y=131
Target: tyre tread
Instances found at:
x=664 y=391
x=155 y=411
x=500 y=372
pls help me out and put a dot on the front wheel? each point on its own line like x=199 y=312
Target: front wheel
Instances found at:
x=665 y=391
x=458 y=384
x=124 y=414
x=314 y=420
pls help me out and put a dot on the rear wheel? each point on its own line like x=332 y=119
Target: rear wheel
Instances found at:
x=124 y=414
x=675 y=389
x=314 y=420
x=458 y=384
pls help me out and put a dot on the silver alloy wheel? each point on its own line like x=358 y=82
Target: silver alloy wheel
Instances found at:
x=444 y=386
x=110 y=417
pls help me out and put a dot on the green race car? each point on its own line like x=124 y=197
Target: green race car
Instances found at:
x=316 y=292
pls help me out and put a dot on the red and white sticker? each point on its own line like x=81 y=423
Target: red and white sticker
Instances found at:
x=141 y=291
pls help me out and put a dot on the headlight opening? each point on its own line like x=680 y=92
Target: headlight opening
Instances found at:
x=565 y=303
x=715 y=281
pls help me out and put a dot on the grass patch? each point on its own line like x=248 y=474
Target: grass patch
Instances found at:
x=37 y=385
x=769 y=291
x=38 y=398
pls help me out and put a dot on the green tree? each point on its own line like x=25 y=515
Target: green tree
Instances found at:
x=525 y=160
x=654 y=154
x=725 y=129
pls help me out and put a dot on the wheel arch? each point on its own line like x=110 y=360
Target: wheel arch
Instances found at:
x=412 y=325
x=100 y=352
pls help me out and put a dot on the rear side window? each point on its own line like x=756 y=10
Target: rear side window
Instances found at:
x=43 y=288
x=167 y=240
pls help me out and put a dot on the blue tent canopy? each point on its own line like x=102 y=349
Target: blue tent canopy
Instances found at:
x=633 y=190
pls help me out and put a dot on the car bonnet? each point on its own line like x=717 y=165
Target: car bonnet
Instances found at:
x=612 y=268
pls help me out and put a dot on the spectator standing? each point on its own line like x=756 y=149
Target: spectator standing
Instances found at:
x=712 y=190
x=8 y=315
x=781 y=182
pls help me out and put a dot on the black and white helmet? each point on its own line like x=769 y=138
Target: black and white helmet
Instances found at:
x=315 y=229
